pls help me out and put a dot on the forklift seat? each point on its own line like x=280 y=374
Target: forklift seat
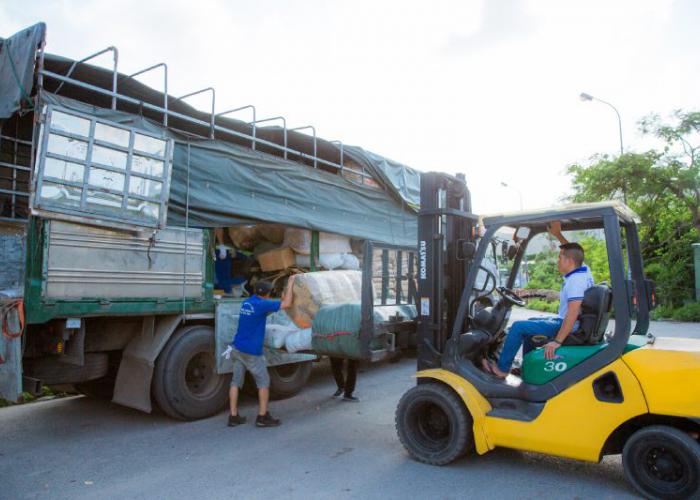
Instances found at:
x=593 y=318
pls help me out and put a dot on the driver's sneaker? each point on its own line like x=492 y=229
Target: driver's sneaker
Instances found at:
x=267 y=421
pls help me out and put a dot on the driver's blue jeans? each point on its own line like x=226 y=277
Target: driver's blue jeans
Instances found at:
x=520 y=333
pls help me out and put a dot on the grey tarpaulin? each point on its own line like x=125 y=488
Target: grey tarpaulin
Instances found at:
x=228 y=182
x=232 y=185
x=404 y=180
x=17 y=55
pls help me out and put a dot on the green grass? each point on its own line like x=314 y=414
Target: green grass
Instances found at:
x=27 y=397
x=689 y=312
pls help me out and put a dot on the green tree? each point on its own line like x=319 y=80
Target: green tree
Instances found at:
x=543 y=271
x=663 y=187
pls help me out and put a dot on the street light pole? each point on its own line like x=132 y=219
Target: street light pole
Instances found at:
x=520 y=195
x=589 y=97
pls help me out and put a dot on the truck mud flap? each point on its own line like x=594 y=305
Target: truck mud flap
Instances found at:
x=133 y=385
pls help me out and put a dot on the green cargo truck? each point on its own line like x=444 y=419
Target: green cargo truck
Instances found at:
x=109 y=195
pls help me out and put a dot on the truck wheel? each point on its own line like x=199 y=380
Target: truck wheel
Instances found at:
x=433 y=424
x=103 y=388
x=288 y=380
x=185 y=383
x=51 y=371
x=663 y=462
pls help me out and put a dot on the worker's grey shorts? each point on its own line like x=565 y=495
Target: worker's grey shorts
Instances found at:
x=256 y=365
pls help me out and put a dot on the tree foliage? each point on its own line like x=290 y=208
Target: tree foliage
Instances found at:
x=542 y=267
x=663 y=187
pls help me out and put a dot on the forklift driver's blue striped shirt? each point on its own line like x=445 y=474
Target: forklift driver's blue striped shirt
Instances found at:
x=575 y=284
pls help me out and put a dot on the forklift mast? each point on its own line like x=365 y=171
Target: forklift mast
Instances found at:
x=446 y=230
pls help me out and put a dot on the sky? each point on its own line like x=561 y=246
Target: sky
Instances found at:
x=487 y=88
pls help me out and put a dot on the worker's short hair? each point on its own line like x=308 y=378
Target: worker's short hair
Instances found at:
x=262 y=288
x=574 y=251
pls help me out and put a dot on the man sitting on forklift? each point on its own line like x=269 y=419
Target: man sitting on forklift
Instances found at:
x=577 y=279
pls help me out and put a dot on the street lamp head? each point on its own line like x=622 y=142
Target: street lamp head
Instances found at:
x=586 y=97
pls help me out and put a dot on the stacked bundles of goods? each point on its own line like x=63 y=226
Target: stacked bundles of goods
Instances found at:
x=275 y=335
x=278 y=248
x=334 y=250
x=336 y=328
x=330 y=261
x=244 y=237
x=313 y=290
x=281 y=332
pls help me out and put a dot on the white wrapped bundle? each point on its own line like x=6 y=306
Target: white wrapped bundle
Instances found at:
x=299 y=340
x=330 y=261
x=299 y=240
x=275 y=335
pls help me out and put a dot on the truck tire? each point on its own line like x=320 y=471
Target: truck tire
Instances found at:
x=51 y=371
x=662 y=462
x=287 y=380
x=433 y=424
x=102 y=388
x=185 y=383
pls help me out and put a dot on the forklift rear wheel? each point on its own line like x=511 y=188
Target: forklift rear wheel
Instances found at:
x=433 y=424
x=663 y=462
x=185 y=383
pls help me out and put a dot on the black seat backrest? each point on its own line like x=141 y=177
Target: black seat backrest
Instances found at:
x=593 y=318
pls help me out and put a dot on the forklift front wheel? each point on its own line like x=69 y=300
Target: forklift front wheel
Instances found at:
x=663 y=462
x=434 y=425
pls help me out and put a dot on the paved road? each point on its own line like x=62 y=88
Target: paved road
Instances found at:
x=81 y=448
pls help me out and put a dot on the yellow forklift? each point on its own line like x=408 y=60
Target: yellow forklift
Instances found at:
x=607 y=392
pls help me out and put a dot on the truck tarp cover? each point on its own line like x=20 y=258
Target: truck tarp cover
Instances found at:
x=17 y=68
x=227 y=182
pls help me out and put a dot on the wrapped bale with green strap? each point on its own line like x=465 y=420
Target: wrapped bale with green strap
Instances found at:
x=336 y=328
x=336 y=331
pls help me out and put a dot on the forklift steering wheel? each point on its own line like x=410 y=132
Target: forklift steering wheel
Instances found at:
x=510 y=296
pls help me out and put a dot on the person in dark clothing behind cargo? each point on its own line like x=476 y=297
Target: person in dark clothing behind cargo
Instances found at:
x=345 y=383
x=247 y=350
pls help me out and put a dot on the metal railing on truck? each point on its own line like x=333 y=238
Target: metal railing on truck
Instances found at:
x=211 y=125
x=16 y=153
x=15 y=176
x=388 y=288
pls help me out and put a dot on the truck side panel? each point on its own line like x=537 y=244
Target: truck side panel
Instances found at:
x=76 y=270
x=87 y=261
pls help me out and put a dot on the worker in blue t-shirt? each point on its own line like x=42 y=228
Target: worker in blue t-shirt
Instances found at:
x=577 y=279
x=247 y=350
